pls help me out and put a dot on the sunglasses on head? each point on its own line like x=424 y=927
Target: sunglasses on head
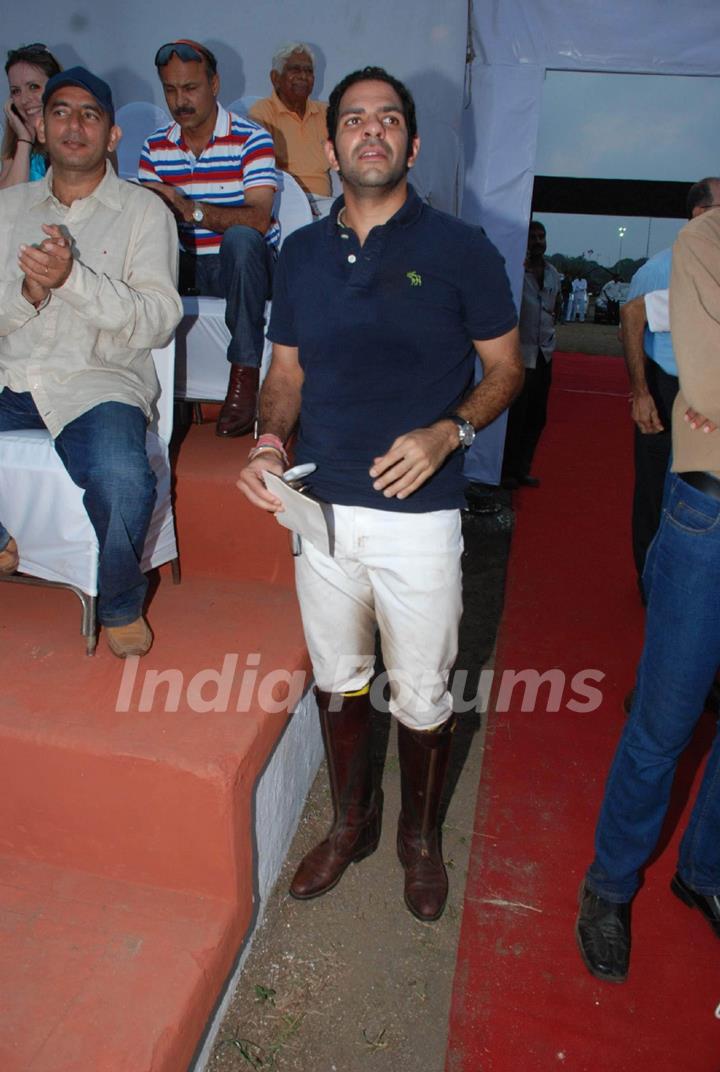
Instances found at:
x=186 y=52
x=24 y=49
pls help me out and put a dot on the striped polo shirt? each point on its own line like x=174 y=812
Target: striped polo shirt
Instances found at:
x=240 y=155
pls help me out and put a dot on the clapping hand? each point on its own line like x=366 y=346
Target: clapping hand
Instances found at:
x=47 y=265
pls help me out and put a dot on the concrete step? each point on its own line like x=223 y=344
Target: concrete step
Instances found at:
x=105 y=975
x=147 y=803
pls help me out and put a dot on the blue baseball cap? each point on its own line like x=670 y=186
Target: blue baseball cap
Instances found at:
x=79 y=76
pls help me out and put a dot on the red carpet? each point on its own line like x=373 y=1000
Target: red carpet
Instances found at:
x=523 y=1001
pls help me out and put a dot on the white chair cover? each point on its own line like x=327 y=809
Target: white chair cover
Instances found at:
x=43 y=509
x=202 y=337
x=136 y=120
x=291 y=207
x=201 y=368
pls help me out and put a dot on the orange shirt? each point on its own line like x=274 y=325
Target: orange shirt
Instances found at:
x=298 y=142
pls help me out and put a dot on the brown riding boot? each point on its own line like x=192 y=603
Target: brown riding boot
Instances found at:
x=424 y=759
x=237 y=415
x=355 y=833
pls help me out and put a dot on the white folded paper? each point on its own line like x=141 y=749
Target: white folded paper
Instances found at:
x=309 y=518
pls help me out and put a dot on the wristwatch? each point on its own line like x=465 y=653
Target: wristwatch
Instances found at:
x=198 y=214
x=466 y=432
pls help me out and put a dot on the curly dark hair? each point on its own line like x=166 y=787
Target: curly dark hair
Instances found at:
x=372 y=74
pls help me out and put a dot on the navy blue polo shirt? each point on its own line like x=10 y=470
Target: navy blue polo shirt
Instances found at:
x=384 y=333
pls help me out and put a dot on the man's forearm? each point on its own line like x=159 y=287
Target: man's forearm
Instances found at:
x=215 y=217
x=220 y=217
x=635 y=363
x=632 y=318
x=142 y=308
x=279 y=406
x=492 y=395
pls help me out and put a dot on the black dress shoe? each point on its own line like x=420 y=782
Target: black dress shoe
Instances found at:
x=482 y=499
x=603 y=936
x=708 y=904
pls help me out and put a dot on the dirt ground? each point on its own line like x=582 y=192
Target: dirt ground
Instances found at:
x=351 y=981
x=589 y=338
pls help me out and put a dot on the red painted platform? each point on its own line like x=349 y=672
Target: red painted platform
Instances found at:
x=126 y=856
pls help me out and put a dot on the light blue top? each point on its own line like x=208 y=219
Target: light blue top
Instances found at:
x=38 y=167
x=655 y=275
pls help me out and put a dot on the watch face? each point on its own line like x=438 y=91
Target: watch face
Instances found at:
x=466 y=432
x=198 y=215
x=467 y=435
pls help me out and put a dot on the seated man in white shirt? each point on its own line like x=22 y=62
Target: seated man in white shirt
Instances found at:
x=87 y=288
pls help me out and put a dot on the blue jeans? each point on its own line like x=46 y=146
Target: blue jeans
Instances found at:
x=680 y=657
x=241 y=273
x=103 y=451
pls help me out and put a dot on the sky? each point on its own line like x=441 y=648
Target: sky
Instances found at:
x=618 y=126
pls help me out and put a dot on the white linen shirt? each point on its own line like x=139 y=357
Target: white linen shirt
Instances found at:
x=90 y=342
x=537 y=315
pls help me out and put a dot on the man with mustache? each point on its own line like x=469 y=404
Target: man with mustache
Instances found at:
x=379 y=312
x=216 y=170
x=540 y=306
x=87 y=288
x=297 y=123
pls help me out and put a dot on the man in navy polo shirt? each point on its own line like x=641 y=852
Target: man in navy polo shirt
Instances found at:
x=378 y=314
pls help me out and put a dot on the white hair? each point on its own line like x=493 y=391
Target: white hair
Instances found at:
x=284 y=53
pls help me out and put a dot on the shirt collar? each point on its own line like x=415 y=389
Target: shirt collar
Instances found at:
x=311 y=108
x=408 y=213
x=107 y=191
x=223 y=127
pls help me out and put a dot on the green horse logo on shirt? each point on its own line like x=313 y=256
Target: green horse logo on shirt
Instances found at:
x=415 y=279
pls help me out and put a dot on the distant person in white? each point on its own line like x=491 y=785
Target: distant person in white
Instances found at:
x=578 y=300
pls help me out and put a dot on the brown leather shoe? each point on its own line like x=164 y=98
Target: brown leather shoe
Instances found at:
x=237 y=415
x=424 y=758
x=355 y=833
x=133 y=639
x=9 y=557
